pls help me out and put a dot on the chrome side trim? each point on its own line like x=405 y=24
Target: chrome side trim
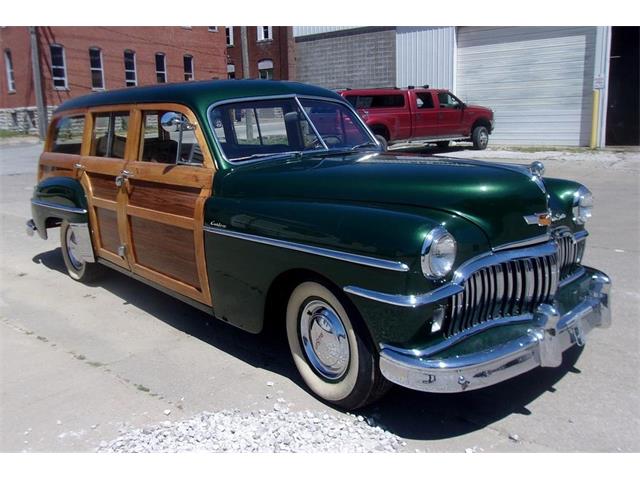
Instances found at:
x=323 y=252
x=411 y=301
x=55 y=206
x=523 y=243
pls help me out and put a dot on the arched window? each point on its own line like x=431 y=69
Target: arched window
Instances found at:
x=265 y=69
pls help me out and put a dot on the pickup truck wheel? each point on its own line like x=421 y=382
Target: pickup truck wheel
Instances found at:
x=383 y=142
x=78 y=269
x=480 y=138
x=443 y=144
x=330 y=350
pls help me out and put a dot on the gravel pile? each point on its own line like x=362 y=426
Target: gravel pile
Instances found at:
x=259 y=431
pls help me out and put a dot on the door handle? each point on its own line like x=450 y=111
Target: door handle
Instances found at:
x=124 y=175
x=79 y=166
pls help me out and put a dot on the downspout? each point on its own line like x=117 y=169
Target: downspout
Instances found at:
x=37 y=84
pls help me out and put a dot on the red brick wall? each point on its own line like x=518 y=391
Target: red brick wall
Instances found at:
x=207 y=49
x=280 y=50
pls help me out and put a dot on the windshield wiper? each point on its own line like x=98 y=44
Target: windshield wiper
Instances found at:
x=364 y=144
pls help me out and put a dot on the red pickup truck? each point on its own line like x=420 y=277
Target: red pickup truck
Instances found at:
x=424 y=114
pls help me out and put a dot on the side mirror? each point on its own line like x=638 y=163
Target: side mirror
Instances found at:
x=175 y=122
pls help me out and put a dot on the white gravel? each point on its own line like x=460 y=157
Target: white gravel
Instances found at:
x=259 y=431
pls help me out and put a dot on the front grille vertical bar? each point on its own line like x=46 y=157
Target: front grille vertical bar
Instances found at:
x=508 y=275
x=499 y=309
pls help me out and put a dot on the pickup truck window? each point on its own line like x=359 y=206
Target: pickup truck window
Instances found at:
x=446 y=100
x=268 y=128
x=424 y=100
x=67 y=135
x=376 y=101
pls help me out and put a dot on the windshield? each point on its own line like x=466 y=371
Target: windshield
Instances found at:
x=266 y=128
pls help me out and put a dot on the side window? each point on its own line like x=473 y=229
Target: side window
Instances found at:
x=380 y=101
x=424 y=100
x=109 y=137
x=67 y=135
x=160 y=146
x=446 y=100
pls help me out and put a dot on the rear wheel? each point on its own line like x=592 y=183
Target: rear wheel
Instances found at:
x=77 y=268
x=331 y=349
x=480 y=138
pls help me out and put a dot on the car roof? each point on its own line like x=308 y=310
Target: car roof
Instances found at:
x=386 y=91
x=198 y=95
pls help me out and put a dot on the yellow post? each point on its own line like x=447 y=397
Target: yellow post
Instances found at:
x=594 y=119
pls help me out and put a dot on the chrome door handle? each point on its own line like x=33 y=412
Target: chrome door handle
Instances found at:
x=126 y=174
x=119 y=181
x=79 y=166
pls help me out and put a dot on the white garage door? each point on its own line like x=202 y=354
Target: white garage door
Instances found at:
x=538 y=80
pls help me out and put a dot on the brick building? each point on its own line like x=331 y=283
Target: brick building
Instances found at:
x=78 y=60
x=271 y=52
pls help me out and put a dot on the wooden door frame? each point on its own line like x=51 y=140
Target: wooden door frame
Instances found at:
x=204 y=175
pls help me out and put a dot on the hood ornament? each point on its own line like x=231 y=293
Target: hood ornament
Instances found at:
x=537 y=168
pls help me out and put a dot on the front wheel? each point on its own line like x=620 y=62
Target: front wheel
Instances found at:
x=480 y=138
x=77 y=268
x=331 y=349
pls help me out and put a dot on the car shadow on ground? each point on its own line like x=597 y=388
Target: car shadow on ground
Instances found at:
x=406 y=413
x=428 y=149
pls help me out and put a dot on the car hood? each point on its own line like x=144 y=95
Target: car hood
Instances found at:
x=495 y=197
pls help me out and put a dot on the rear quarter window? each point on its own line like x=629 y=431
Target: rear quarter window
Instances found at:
x=67 y=135
x=378 y=101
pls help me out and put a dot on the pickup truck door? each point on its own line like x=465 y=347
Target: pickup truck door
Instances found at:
x=450 y=115
x=425 y=115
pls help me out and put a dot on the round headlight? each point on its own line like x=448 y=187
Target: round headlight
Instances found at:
x=438 y=253
x=582 y=205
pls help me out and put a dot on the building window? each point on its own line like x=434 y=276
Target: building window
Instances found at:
x=231 y=71
x=161 y=68
x=265 y=69
x=58 y=67
x=188 y=67
x=8 y=64
x=265 y=33
x=213 y=29
x=97 y=75
x=229 y=32
x=130 y=77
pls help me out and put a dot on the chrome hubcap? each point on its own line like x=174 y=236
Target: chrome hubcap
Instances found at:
x=72 y=249
x=324 y=339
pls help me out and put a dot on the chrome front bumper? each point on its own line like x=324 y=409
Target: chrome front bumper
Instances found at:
x=542 y=346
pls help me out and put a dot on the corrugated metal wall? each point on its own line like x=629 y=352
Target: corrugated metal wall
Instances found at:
x=538 y=80
x=425 y=55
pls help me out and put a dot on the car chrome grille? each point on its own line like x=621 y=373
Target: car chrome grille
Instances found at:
x=515 y=287
x=511 y=288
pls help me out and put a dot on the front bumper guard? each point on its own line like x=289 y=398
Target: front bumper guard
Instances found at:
x=542 y=346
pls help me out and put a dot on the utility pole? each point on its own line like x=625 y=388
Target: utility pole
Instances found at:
x=246 y=73
x=37 y=84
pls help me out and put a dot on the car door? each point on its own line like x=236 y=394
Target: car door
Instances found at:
x=166 y=184
x=108 y=150
x=426 y=115
x=450 y=115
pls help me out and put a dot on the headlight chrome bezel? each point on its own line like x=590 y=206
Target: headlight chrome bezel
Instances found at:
x=582 y=205
x=434 y=239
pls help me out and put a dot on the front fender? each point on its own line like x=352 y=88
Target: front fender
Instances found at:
x=56 y=199
x=242 y=268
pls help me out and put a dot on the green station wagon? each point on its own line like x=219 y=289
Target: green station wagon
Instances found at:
x=270 y=203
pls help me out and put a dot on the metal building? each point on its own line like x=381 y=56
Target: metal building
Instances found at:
x=547 y=85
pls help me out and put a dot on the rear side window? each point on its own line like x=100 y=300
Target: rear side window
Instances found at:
x=110 y=134
x=424 y=100
x=67 y=135
x=378 y=101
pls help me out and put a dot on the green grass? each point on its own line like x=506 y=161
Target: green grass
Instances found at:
x=12 y=134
